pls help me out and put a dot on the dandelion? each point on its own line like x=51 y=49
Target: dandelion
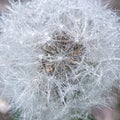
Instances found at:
x=59 y=58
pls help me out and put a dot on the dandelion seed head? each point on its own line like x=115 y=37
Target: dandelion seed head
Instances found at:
x=63 y=58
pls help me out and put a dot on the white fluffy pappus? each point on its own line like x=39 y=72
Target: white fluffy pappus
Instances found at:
x=58 y=58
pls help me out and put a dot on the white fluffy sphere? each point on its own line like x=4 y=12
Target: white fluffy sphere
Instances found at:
x=58 y=58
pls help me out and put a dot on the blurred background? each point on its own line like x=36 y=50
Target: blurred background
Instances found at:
x=113 y=4
x=3 y=3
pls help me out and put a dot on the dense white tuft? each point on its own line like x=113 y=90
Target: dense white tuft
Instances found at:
x=58 y=58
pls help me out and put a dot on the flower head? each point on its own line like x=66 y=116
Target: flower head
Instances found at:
x=58 y=58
